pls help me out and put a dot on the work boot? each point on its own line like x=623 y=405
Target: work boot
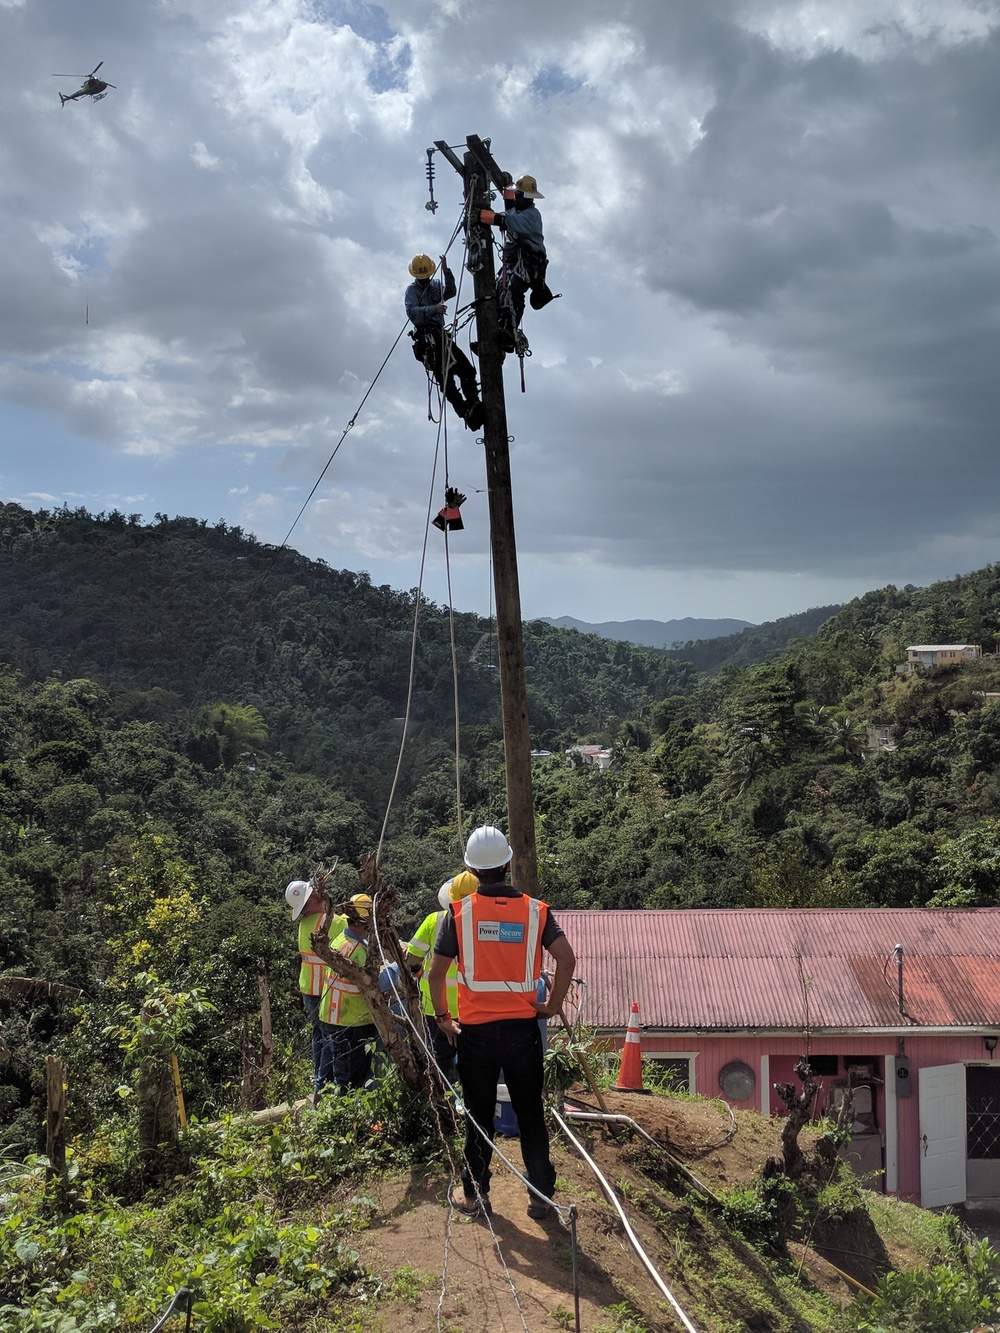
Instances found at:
x=472 y=1205
x=541 y=296
x=475 y=415
x=537 y=1209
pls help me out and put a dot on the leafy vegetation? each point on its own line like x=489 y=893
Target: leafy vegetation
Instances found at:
x=238 y=1225
x=947 y=1298
x=188 y=720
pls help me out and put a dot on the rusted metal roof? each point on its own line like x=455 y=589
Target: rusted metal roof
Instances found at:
x=770 y=969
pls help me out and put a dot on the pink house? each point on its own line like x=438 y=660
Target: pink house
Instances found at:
x=902 y=1006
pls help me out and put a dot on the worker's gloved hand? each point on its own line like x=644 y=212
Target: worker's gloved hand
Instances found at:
x=487 y=215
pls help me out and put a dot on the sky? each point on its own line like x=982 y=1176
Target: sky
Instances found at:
x=772 y=380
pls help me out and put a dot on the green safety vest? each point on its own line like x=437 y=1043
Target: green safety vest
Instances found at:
x=422 y=945
x=311 y=969
x=342 y=1004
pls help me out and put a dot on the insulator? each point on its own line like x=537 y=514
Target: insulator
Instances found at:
x=431 y=205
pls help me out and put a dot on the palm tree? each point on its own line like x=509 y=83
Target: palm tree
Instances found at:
x=845 y=732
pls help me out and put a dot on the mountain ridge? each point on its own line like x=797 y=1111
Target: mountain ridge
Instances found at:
x=654 y=633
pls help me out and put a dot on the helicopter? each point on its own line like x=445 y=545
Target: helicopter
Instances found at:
x=92 y=86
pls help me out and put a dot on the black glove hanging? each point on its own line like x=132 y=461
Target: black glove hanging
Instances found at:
x=449 y=518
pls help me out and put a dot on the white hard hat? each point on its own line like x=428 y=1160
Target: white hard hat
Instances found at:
x=487 y=849
x=297 y=895
x=444 y=895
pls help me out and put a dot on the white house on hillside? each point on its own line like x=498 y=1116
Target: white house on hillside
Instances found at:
x=921 y=656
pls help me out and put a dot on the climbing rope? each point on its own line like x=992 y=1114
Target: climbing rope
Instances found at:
x=441 y=446
x=418 y=602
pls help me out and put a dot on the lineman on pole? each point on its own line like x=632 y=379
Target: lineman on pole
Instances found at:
x=433 y=345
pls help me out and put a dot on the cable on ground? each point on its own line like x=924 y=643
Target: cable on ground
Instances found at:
x=181 y=1294
x=630 y=1233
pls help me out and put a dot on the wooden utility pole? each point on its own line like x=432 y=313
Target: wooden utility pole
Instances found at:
x=55 y=1116
x=479 y=173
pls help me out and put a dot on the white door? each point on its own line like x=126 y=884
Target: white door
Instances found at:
x=942 y=1135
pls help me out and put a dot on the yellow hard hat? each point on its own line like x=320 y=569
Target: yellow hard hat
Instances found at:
x=362 y=904
x=528 y=186
x=422 y=266
x=462 y=885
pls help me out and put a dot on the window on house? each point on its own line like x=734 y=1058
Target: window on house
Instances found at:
x=982 y=1101
x=675 y=1072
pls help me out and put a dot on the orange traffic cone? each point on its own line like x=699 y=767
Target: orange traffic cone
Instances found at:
x=630 y=1073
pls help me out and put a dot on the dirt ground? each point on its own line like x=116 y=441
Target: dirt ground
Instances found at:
x=444 y=1271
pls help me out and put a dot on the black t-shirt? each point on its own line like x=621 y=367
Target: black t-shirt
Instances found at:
x=446 y=942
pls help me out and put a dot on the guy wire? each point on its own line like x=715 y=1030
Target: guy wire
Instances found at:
x=265 y=573
x=418 y=601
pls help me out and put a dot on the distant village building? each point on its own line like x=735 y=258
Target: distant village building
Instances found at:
x=597 y=756
x=925 y=656
x=880 y=738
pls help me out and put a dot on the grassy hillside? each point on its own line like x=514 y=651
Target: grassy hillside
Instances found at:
x=336 y=1222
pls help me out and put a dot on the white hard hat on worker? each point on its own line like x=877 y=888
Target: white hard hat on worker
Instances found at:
x=487 y=849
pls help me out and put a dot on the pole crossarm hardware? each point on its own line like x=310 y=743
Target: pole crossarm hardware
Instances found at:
x=446 y=152
x=481 y=152
x=479 y=171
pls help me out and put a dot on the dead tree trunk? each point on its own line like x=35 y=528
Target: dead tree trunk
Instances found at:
x=55 y=1116
x=799 y=1108
x=257 y=1057
x=383 y=943
x=158 y=1118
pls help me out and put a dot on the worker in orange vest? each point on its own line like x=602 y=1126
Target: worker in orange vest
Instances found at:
x=497 y=934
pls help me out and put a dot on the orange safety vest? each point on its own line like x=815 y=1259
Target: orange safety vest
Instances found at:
x=499 y=956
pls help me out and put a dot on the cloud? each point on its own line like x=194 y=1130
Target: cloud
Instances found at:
x=773 y=225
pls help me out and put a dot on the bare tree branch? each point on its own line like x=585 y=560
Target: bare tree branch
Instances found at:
x=396 y=1036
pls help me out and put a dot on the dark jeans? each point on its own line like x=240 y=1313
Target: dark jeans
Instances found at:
x=322 y=1051
x=353 y=1051
x=515 y=1046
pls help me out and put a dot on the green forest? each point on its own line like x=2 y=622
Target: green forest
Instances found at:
x=189 y=719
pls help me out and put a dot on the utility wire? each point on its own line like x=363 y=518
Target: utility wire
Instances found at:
x=442 y=436
x=266 y=572
x=347 y=429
